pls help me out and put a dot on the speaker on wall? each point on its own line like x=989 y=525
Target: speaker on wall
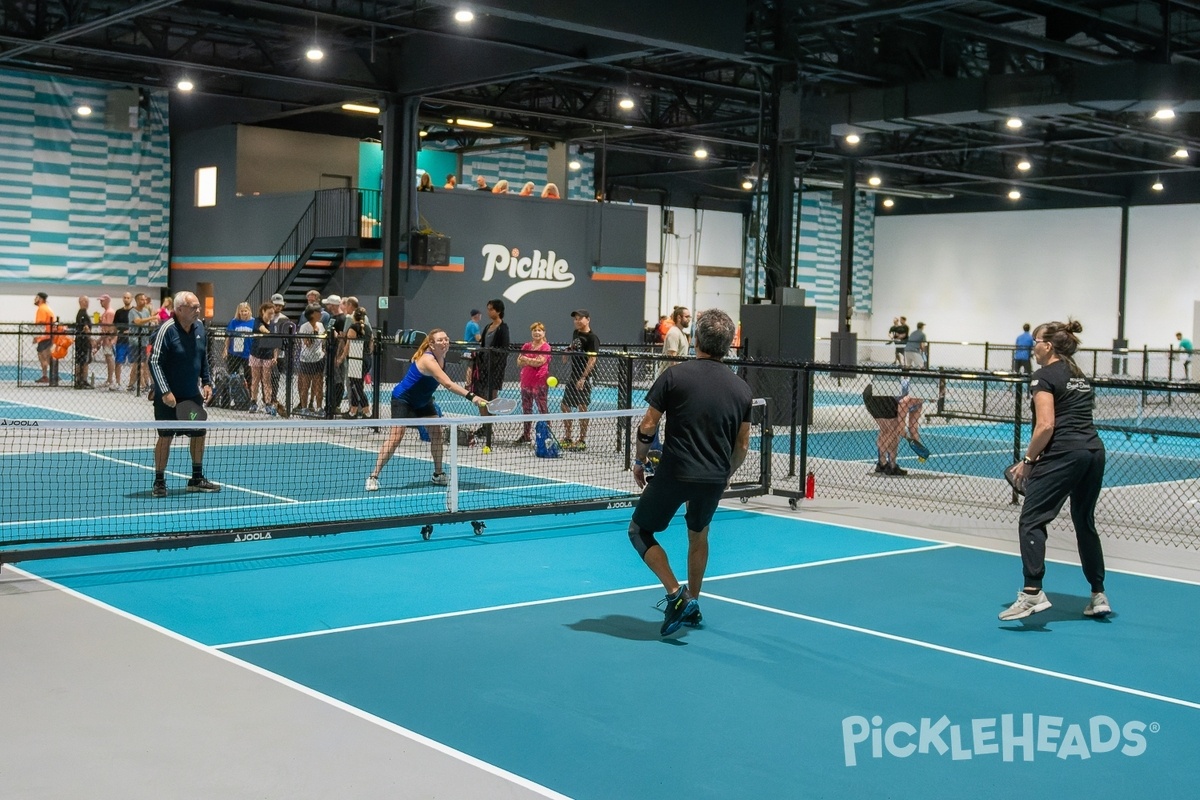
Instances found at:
x=428 y=250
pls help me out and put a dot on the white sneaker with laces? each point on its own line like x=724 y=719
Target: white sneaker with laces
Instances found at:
x=440 y=479
x=1098 y=606
x=372 y=483
x=1026 y=604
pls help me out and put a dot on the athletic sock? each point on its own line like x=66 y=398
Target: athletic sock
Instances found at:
x=197 y=472
x=160 y=477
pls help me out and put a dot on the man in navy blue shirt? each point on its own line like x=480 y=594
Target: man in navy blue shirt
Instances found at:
x=179 y=372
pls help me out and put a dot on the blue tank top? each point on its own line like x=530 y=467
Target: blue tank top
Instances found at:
x=416 y=389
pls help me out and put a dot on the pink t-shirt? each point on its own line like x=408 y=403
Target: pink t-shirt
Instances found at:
x=164 y=314
x=532 y=377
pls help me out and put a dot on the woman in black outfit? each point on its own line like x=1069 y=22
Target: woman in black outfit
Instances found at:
x=1065 y=458
x=491 y=360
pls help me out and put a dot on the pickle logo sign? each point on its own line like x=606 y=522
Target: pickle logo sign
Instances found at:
x=530 y=273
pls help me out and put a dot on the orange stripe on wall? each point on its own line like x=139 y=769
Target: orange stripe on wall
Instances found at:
x=220 y=265
x=361 y=263
x=600 y=276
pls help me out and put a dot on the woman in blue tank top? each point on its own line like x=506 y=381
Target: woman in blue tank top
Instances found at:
x=413 y=398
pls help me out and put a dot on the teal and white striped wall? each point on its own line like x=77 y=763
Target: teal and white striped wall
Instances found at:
x=517 y=165
x=80 y=203
x=819 y=246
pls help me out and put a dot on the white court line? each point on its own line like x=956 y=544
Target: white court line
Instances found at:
x=956 y=652
x=433 y=744
x=181 y=475
x=528 y=603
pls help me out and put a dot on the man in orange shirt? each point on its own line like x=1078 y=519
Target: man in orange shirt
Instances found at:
x=43 y=317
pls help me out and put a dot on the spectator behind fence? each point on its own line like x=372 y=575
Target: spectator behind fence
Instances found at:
x=481 y=183
x=1024 y=347
x=141 y=321
x=107 y=344
x=534 y=361
x=237 y=345
x=550 y=192
x=165 y=310
x=43 y=317
x=121 y=322
x=1184 y=347
x=83 y=344
x=916 y=347
x=262 y=362
x=312 y=363
x=351 y=353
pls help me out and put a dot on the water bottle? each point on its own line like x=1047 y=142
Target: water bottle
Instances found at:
x=810 y=486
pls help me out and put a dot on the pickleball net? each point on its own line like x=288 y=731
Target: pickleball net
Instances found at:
x=75 y=487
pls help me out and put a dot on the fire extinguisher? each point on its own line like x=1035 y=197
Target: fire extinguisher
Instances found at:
x=810 y=486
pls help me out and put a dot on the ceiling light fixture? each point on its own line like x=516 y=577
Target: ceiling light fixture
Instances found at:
x=1180 y=153
x=360 y=108
x=422 y=133
x=83 y=110
x=1166 y=112
x=874 y=180
x=464 y=15
x=626 y=103
x=853 y=139
x=888 y=202
x=184 y=85
x=574 y=166
x=700 y=152
x=1014 y=194
x=747 y=184
x=314 y=53
x=1024 y=165
x=473 y=123
x=1157 y=185
x=1016 y=123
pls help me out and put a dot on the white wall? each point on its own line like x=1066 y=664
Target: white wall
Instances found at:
x=978 y=277
x=16 y=304
x=1164 y=274
x=701 y=238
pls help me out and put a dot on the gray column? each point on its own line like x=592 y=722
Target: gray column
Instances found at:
x=399 y=123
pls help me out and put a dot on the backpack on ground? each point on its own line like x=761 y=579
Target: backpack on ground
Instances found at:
x=239 y=394
x=545 y=443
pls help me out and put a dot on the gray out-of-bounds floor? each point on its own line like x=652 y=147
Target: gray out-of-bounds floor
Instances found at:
x=100 y=703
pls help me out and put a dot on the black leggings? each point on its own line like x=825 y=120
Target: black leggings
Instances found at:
x=1077 y=474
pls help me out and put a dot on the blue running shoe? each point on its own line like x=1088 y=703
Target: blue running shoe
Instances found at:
x=695 y=619
x=678 y=606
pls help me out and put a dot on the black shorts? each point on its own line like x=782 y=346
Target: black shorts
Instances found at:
x=882 y=407
x=577 y=398
x=44 y=344
x=402 y=410
x=164 y=413
x=663 y=496
x=312 y=367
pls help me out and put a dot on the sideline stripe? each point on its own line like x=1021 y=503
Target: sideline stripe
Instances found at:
x=433 y=744
x=956 y=652
x=547 y=601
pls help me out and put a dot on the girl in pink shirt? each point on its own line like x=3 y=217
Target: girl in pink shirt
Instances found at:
x=535 y=368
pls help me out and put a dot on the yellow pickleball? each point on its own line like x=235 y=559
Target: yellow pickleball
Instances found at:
x=486 y=450
x=552 y=381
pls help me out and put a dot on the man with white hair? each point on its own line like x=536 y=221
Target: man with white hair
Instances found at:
x=179 y=372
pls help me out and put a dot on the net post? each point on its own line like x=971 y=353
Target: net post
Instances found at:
x=795 y=400
x=451 y=432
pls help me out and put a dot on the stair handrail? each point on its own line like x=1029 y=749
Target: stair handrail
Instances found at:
x=332 y=213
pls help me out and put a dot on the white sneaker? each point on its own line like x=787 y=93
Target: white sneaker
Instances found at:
x=440 y=479
x=1026 y=604
x=1098 y=606
x=372 y=483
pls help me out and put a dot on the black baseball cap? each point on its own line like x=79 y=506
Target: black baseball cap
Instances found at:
x=581 y=312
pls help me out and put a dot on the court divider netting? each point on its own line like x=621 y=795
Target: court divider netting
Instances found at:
x=78 y=487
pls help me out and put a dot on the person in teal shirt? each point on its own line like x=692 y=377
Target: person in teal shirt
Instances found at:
x=1185 y=347
x=1024 y=348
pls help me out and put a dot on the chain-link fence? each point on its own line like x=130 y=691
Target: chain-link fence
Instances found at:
x=974 y=423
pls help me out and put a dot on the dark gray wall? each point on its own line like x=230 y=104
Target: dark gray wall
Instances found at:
x=586 y=235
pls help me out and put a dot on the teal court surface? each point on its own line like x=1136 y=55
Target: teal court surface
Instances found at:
x=834 y=661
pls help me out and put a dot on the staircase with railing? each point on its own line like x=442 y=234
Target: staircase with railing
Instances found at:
x=335 y=222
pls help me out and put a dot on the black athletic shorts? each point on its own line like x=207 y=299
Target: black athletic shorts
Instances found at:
x=164 y=413
x=880 y=406
x=577 y=398
x=402 y=410
x=663 y=496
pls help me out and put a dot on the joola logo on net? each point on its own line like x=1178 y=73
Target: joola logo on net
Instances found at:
x=533 y=273
x=1010 y=737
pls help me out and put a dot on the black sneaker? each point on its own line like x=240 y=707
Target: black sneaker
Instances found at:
x=694 y=619
x=202 y=485
x=678 y=606
x=881 y=467
x=896 y=470
x=159 y=490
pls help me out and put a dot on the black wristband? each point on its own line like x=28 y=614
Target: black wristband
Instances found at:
x=470 y=395
x=646 y=439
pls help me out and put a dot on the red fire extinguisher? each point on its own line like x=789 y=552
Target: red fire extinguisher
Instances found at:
x=810 y=486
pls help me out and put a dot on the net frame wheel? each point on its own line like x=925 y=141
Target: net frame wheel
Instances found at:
x=426 y=532
x=478 y=526
x=793 y=503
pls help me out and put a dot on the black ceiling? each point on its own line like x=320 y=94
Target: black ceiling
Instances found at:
x=928 y=84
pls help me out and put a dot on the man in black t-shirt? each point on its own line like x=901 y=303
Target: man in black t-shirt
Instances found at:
x=83 y=345
x=898 y=333
x=578 y=391
x=707 y=437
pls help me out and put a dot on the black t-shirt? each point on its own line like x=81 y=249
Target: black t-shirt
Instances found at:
x=121 y=323
x=582 y=344
x=83 y=326
x=705 y=405
x=1074 y=428
x=263 y=346
x=899 y=333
